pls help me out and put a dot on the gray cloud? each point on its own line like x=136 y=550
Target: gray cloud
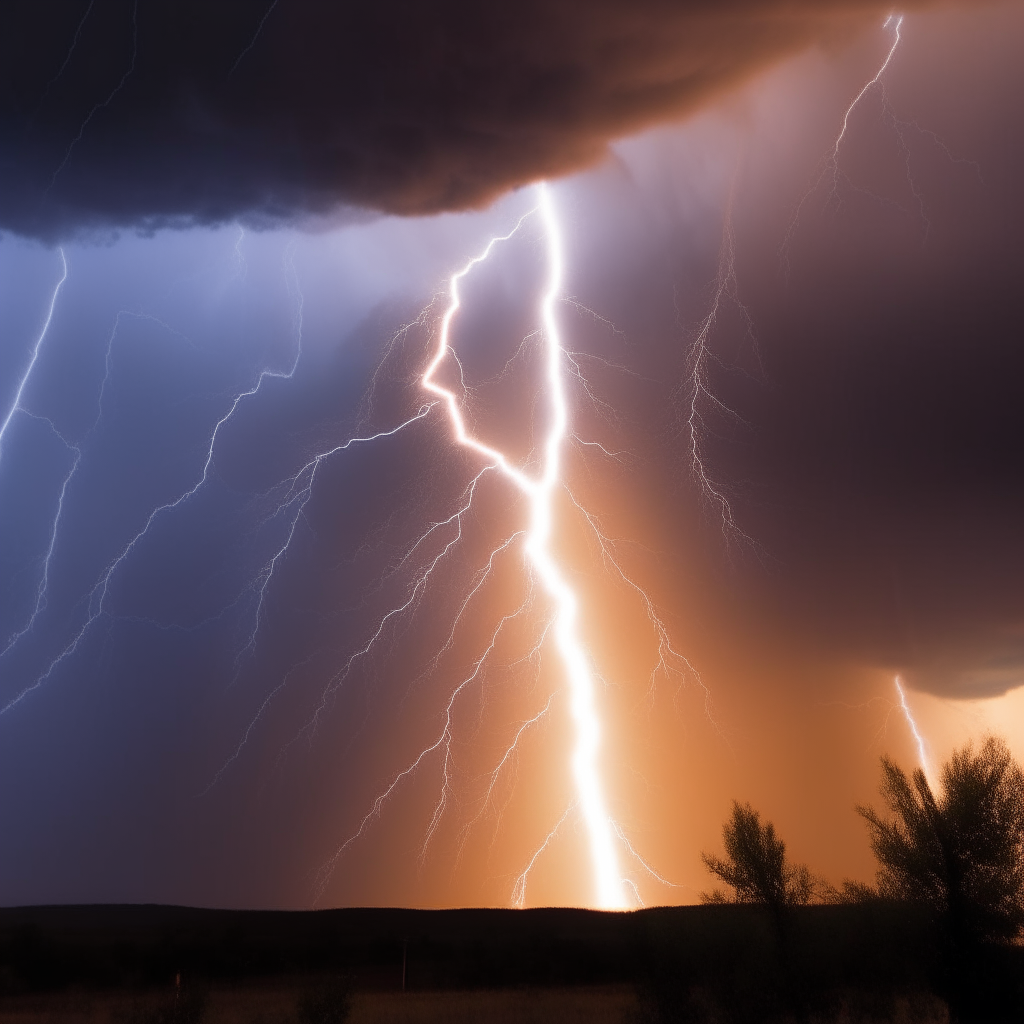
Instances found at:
x=114 y=113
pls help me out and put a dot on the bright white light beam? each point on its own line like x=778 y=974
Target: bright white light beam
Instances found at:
x=541 y=491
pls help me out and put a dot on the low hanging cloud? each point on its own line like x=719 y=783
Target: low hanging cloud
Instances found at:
x=117 y=113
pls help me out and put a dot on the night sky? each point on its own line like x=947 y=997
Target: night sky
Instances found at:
x=230 y=621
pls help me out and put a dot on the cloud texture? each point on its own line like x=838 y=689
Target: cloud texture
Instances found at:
x=116 y=113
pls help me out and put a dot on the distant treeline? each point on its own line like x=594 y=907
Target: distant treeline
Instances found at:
x=938 y=937
x=48 y=948
x=728 y=955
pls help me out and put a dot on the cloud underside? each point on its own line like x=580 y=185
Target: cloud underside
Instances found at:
x=124 y=114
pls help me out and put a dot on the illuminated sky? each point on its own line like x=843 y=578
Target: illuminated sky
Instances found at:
x=816 y=487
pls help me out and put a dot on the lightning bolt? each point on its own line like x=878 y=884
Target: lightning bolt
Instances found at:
x=519 y=889
x=922 y=754
x=695 y=397
x=97 y=596
x=539 y=482
x=255 y=36
x=670 y=661
x=44 y=580
x=299 y=489
x=540 y=487
x=897 y=22
x=540 y=491
x=110 y=98
x=830 y=164
x=507 y=760
x=16 y=407
x=77 y=448
x=20 y=390
x=67 y=57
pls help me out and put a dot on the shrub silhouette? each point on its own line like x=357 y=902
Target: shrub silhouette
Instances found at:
x=961 y=854
x=755 y=866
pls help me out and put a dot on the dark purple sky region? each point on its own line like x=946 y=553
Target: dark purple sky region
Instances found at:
x=172 y=613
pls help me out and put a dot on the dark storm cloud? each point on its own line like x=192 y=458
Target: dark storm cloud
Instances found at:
x=885 y=458
x=114 y=112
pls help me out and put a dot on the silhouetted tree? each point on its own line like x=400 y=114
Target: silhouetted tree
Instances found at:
x=755 y=866
x=961 y=854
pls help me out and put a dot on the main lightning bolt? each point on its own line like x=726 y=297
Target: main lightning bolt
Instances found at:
x=540 y=488
x=540 y=492
x=695 y=398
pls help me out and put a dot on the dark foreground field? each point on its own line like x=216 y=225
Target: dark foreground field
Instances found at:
x=176 y=965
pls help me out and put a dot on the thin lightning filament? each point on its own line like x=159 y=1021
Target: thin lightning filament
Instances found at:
x=922 y=754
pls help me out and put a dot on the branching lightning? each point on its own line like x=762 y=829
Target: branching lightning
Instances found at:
x=95 y=603
x=519 y=889
x=922 y=752
x=623 y=838
x=897 y=22
x=830 y=169
x=443 y=743
x=829 y=166
x=506 y=761
x=110 y=97
x=695 y=398
x=252 y=42
x=299 y=489
x=670 y=661
x=44 y=579
x=539 y=492
x=16 y=404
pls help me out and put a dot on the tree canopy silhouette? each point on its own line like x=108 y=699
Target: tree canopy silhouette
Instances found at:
x=961 y=854
x=755 y=866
